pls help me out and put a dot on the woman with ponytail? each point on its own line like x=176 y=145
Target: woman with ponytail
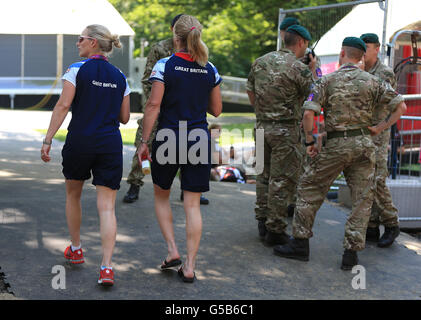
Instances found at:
x=185 y=86
x=99 y=95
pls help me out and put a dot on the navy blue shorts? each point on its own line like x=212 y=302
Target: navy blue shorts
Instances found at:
x=106 y=168
x=193 y=177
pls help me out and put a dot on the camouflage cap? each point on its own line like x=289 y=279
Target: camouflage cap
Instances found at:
x=301 y=31
x=355 y=43
x=288 y=22
x=370 y=38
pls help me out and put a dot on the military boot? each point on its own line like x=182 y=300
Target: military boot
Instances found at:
x=389 y=235
x=297 y=249
x=349 y=259
x=273 y=238
x=261 y=226
x=373 y=234
x=133 y=194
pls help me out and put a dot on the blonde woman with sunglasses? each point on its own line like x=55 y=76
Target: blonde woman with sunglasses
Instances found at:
x=99 y=95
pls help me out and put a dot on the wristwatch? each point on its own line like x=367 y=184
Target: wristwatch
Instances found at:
x=47 y=142
x=309 y=143
x=143 y=141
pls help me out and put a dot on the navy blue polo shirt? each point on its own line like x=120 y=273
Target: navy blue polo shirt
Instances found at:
x=100 y=88
x=187 y=89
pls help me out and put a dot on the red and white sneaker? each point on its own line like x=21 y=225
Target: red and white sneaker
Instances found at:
x=75 y=257
x=106 y=277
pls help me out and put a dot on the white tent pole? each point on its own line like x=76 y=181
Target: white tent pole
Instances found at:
x=22 y=56
x=386 y=10
x=59 y=55
x=281 y=18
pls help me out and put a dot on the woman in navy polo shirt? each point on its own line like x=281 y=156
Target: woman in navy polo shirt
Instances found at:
x=184 y=87
x=99 y=95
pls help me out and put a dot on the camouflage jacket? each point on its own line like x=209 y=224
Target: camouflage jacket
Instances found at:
x=280 y=84
x=385 y=74
x=349 y=96
x=159 y=50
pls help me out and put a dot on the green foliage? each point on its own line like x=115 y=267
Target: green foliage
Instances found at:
x=236 y=32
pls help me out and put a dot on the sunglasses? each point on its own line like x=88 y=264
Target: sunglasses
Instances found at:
x=81 y=38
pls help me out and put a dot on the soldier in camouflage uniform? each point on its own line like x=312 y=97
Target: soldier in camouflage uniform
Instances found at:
x=383 y=210
x=286 y=23
x=160 y=50
x=277 y=86
x=290 y=21
x=348 y=97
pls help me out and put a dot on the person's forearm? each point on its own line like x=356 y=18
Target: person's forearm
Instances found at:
x=308 y=120
x=251 y=97
x=149 y=117
x=393 y=118
x=57 y=118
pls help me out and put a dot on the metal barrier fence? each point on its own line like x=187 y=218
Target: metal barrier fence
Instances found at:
x=233 y=90
x=404 y=167
x=404 y=180
x=320 y=19
x=404 y=156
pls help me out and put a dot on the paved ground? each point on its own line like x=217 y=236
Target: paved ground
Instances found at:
x=232 y=262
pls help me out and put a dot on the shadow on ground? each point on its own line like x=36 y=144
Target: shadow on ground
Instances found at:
x=232 y=262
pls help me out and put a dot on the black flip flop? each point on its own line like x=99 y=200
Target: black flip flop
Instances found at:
x=184 y=278
x=170 y=264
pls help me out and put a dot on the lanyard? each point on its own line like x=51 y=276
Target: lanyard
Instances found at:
x=350 y=67
x=98 y=56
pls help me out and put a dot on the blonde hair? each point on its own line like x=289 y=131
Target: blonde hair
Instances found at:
x=106 y=40
x=188 y=30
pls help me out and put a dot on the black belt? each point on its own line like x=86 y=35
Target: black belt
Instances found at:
x=348 y=133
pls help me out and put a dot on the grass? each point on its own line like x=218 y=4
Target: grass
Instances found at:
x=235 y=133
x=127 y=135
x=235 y=114
x=415 y=167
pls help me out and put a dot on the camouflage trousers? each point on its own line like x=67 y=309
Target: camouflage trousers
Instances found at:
x=355 y=157
x=383 y=210
x=277 y=185
x=136 y=175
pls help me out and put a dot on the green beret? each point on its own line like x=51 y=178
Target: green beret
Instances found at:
x=288 y=22
x=301 y=31
x=370 y=38
x=355 y=43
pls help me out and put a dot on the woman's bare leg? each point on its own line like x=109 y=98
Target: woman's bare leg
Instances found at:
x=193 y=230
x=108 y=223
x=74 y=209
x=165 y=219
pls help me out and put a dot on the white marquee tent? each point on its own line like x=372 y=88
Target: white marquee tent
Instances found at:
x=38 y=38
x=59 y=17
x=368 y=18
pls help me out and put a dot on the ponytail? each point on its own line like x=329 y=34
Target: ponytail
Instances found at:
x=197 y=48
x=189 y=30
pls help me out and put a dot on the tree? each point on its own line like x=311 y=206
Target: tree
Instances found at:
x=236 y=32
